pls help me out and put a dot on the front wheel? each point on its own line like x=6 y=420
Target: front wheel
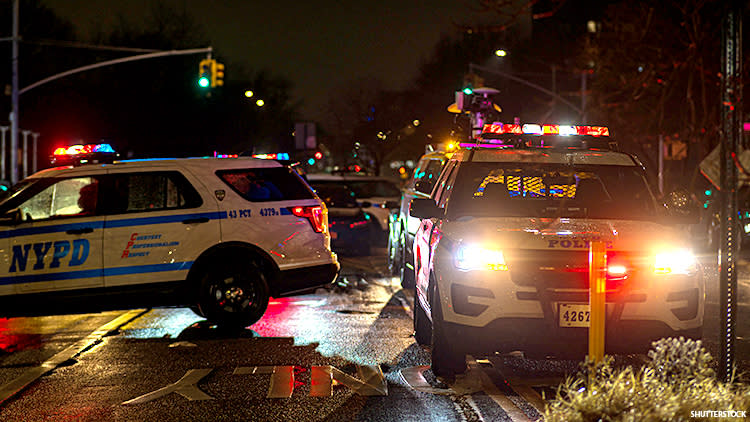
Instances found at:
x=448 y=358
x=233 y=293
x=422 y=324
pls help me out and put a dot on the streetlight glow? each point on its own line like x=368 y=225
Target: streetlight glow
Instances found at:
x=501 y=53
x=248 y=93
x=260 y=103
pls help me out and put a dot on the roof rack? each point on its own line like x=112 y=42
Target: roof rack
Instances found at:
x=517 y=136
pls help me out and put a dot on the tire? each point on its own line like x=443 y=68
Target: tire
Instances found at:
x=422 y=324
x=233 y=292
x=448 y=359
x=408 y=280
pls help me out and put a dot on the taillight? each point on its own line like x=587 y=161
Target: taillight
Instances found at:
x=314 y=215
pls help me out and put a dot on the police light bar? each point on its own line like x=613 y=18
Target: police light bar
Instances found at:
x=536 y=129
x=83 y=154
x=76 y=150
x=278 y=156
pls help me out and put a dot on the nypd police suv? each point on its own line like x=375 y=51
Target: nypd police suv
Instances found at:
x=501 y=255
x=219 y=235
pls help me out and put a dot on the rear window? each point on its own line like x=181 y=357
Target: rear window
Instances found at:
x=266 y=184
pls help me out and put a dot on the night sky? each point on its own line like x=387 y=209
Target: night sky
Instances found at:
x=319 y=46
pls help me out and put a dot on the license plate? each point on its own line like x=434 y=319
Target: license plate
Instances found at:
x=574 y=315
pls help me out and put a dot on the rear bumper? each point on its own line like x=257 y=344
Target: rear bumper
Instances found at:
x=302 y=280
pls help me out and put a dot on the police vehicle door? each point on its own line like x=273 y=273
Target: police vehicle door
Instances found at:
x=58 y=243
x=156 y=227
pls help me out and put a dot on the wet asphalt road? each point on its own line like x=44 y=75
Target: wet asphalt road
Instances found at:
x=344 y=353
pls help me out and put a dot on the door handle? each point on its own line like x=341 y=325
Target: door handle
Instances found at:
x=196 y=220
x=80 y=231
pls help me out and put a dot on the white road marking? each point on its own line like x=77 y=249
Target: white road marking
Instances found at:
x=31 y=375
x=185 y=387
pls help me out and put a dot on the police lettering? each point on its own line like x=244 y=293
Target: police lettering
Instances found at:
x=60 y=249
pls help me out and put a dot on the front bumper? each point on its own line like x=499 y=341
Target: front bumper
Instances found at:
x=506 y=311
x=537 y=338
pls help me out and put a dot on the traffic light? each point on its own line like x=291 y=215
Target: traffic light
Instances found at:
x=205 y=68
x=217 y=74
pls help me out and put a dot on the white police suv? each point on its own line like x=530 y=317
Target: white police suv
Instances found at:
x=501 y=255
x=219 y=235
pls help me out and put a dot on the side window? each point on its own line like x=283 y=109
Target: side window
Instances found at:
x=67 y=198
x=430 y=176
x=138 y=192
x=444 y=185
x=266 y=184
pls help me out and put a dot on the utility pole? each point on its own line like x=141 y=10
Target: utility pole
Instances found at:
x=14 y=99
x=731 y=103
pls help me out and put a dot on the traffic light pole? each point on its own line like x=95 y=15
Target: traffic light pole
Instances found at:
x=15 y=92
x=116 y=61
x=14 y=99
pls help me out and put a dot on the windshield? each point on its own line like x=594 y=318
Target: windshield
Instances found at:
x=15 y=190
x=544 y=190
x=372 y=188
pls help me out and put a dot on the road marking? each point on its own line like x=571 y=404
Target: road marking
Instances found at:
x=282 y=382
x=514 y=412
x=31 y=375
x=185 y=387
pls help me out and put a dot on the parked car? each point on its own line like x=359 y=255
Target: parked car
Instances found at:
x=403 y=225
x=376 y=195
x=502 y=251
x=218 y=235
x=348 y=225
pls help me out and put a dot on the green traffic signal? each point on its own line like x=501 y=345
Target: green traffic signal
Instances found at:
x=204 y=81
x=468 y=90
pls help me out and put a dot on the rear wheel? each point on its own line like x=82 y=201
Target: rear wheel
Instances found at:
x=233 y=292
x=448 y=358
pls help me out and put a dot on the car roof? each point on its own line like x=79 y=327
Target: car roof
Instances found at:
x=198 y=163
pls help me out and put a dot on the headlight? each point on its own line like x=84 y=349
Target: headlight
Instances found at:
x=675 y=262
x=471 y=257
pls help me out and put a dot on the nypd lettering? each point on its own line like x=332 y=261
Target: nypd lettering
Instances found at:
x=63 y=251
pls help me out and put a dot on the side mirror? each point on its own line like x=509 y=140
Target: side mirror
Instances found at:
x=681 y=207
x=11 y=217
x=424 y=186
x=424 y=208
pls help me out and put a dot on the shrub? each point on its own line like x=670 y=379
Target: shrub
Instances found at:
x=676 y=381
